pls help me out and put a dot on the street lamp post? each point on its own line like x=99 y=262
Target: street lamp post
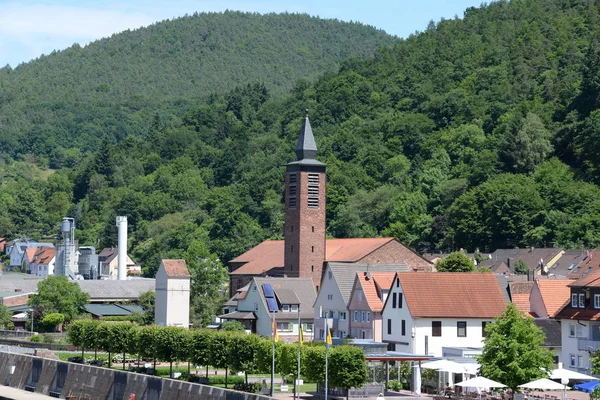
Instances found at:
x=565 y=382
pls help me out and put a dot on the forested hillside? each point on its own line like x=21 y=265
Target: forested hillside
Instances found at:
x=60 y=105
x=479 y=132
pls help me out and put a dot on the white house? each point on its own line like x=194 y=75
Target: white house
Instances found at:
x=580 y=323
x=109 y=266
x=17 y=251
x=331 y=305
x=43 y=262
x=427 y=311
x=279 y=298
x=172 y=305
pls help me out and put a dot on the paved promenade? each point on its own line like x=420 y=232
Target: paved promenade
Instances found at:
x=17 y=394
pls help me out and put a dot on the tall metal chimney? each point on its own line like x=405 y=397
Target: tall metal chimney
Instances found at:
x=122 y=248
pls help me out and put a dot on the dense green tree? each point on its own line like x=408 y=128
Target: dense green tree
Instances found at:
x=147 y=302
x=57 y=295
x=521 y=268
x=5 y=317
x=513 y=351
x=455 y=262
x=348 y=367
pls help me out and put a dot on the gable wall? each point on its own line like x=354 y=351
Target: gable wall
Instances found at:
x=395 y=252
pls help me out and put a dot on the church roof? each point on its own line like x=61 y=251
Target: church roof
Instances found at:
x=306 y=148
x=270 y=253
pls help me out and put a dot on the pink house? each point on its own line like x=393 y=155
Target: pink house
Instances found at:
x=369 y=292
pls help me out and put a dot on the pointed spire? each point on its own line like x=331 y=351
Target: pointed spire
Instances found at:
x=306 y=147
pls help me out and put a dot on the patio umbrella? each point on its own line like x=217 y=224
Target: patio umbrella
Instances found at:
x=560 y=373
x=481 y=382
x=446 y=366
x=442 y=365
x=587 y=387
x=543 y=384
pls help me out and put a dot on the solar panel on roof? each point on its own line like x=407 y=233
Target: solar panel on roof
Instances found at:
x=268 y=290
x=272 y=304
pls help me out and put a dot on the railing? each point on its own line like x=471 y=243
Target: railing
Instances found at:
x=588 y=345
x=17 y=334
x=368 y=390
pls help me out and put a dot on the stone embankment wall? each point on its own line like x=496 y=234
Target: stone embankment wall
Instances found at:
x=70 y=380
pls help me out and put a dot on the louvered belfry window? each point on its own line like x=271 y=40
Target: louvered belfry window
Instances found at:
x=313 y=190
x=293 y=190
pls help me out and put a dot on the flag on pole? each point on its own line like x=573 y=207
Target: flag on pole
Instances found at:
x=301 y=336
x=275 y=334
x=328 y=337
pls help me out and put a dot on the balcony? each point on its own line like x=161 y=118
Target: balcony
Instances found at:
x=585 y=344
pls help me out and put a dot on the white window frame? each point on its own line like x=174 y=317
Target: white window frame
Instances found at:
x=597 y=301
x=362 y=317
x=342 y=315
x=308 y=326
x=581 y=300
x=285 y=326
x=294 y=307
x=355 y=316
x=574 y=300
x=285 y=307
x=572 y=331
x=573 y=359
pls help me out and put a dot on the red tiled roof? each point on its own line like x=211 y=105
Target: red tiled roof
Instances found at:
x=352 y=250
x=176 y=268
x=373 y=285
x=30 y=253
x=452 y=294
x=555 y=292
x=591 y=280
x=45 y=255
x=521 y=301
x=589 y=264
x=270 y=253
x=584 y=314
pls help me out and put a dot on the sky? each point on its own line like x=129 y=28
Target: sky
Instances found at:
x=30 y=28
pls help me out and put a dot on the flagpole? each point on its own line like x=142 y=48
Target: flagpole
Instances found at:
x=326 y=367
x=327 y=340
x=273 y=327
x=300 y=338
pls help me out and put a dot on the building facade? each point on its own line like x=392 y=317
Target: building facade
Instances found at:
x=172 y=304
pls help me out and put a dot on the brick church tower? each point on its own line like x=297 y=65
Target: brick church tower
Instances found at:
x=305 y=183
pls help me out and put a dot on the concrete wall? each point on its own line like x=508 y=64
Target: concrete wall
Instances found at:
x=94 y=383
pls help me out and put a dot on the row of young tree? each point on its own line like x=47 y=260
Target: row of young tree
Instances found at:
x=232 y=351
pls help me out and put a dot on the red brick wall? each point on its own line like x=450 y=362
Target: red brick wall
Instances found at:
x=394 y=252
x=305 y=231
x=19 y=300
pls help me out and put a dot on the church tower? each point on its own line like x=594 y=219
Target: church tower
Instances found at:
x=305 y=183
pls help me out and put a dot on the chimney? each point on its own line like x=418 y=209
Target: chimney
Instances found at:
x=122 y=248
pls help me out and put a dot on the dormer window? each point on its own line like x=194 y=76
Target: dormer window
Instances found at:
x=294 y=307
x=574 y=300
x=285 y=308
x=581 y=300
x=597 y=301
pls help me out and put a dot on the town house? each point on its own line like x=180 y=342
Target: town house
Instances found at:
x=426 y=312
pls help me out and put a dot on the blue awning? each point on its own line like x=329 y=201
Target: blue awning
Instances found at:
x=587 y=387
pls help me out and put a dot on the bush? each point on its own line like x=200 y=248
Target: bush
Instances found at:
x=76 y=359
x=247 y=387
x=143 y=370
x=35 y=338
x=220 y=380
x=48 y=339
x=395 y=386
